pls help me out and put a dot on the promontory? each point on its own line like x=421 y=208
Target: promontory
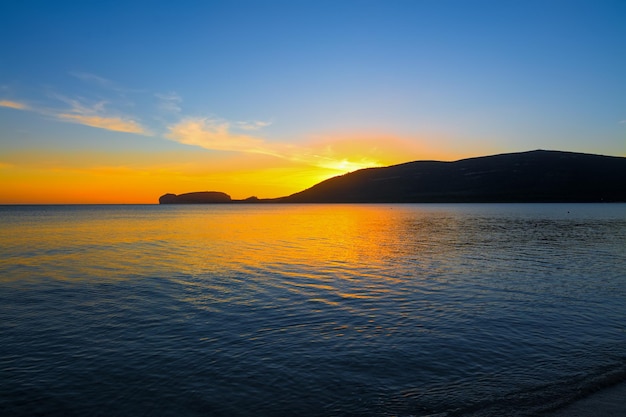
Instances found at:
x=534 y=176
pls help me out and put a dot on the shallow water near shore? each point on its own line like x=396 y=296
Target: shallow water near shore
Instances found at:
x=310 y=310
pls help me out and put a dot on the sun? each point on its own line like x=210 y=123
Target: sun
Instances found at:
x=346 y=165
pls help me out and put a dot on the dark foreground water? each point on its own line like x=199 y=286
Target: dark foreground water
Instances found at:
x=309 y=310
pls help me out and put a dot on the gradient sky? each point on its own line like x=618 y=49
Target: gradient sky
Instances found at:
x=122 y=101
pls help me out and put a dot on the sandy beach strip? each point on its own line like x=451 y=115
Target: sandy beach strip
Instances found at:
x=609 y=402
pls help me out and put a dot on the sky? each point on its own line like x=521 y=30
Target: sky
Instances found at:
x=123 y=101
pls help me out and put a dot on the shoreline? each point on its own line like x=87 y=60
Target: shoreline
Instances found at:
x=607 y=402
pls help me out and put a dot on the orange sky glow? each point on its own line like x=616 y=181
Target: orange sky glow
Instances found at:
x=269 y=100
x=50 y=177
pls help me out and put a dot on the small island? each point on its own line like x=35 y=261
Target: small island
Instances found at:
x=200 y=197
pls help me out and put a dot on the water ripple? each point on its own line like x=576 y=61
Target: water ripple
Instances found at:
x=310 y=310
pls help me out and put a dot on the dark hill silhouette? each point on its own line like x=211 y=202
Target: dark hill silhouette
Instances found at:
x=201 y=197
x=535 y=176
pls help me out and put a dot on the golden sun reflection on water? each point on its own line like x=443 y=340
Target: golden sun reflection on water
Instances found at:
x=326 y=253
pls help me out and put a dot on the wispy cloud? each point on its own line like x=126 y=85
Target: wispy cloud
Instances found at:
x=255 y=125
x=169 y=103
x=94 y=115
x=214 y=134
x=217 y=134
x=97 y=115
x=13 y=105
x=104 y=83
x=92 y=78
x=109 y=123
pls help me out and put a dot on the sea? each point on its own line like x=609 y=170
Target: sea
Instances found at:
x=309 y=310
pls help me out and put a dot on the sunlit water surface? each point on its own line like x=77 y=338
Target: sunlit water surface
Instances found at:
x=309 y=310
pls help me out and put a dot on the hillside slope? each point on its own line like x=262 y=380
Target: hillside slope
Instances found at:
x=535 y=176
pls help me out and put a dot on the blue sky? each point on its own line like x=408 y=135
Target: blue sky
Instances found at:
x=314 y=83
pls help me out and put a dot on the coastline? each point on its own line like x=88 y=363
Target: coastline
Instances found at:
x=607 y=402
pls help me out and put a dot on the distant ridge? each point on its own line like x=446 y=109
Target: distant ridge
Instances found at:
x=533 y=176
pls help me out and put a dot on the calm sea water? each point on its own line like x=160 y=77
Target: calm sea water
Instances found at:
x=309 y=310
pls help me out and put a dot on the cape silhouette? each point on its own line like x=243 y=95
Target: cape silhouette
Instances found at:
x=534 y=176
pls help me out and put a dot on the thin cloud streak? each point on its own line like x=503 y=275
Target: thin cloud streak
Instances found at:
x=255 y=125
x=13 y=105
x=170 y=102
x=88 y=77
x=221 y=135
x=109 y=123
x=104 y=83
x=214 y=134
x=94 y=115
x=97 y=116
